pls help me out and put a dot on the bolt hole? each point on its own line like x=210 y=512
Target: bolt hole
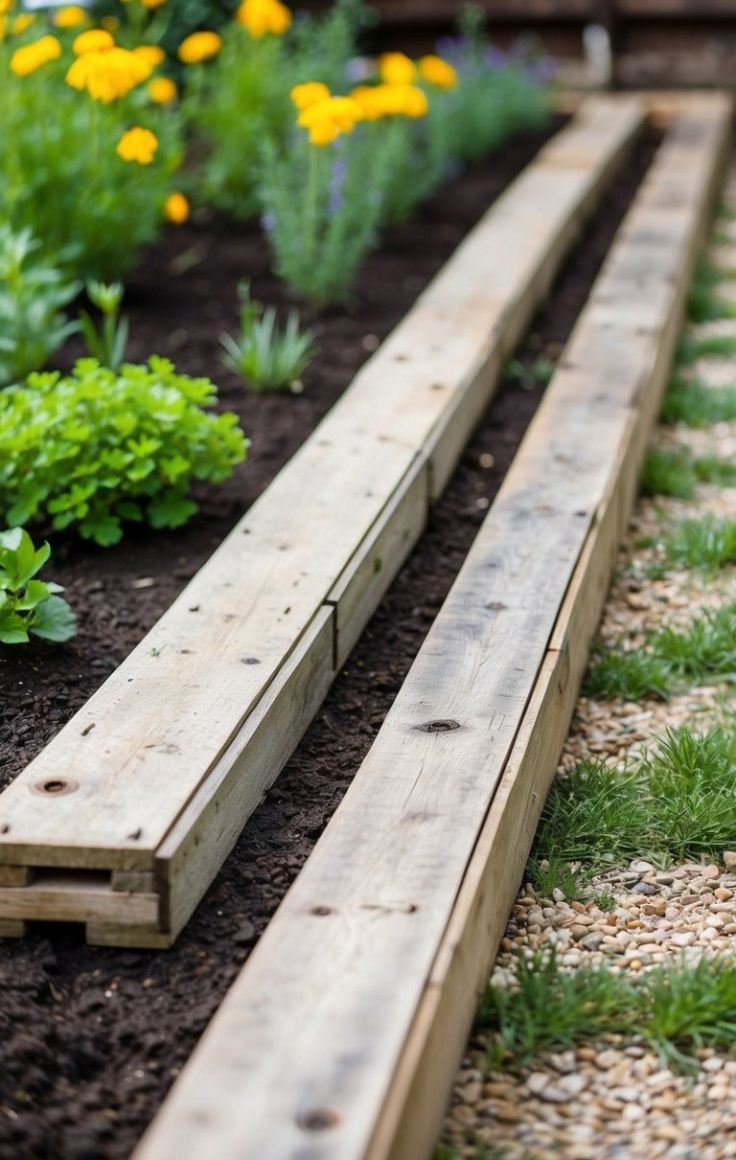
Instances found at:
x=55 y=786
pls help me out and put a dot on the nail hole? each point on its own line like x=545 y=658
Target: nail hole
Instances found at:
x=56 y=786
x=318 y=1119
x=321 y=911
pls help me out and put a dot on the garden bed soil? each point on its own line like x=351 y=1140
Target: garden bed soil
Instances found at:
x=92 y=1038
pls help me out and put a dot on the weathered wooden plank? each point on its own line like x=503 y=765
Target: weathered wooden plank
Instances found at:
x=301 y=1056
x=141 y=748
x=76 y=899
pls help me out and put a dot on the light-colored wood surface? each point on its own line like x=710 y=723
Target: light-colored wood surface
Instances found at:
x=339 y=1039
x=165 y=719
x=76 y=899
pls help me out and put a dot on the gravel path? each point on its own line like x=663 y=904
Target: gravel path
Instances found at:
x=612 y=1097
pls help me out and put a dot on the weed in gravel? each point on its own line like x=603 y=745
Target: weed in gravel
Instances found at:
x=632 y=675
x=703 y=302
x=695 y=404
x=705 y=544
x=550 y=1008
x=712 y=469
x=676 y=1009
x=675 y=472
x=692 y=347
x=678 y=802
x=705 y=650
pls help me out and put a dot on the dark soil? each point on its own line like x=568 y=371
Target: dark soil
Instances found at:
x=92 y=1038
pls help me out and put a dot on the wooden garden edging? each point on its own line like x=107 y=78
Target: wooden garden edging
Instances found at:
x=125 y=818
x=340 y=1039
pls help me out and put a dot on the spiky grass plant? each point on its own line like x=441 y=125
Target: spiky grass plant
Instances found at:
x=694 y=404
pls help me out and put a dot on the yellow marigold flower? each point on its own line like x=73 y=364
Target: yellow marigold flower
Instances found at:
x=308 y=94
x=371 y=102
x=95 y=40
x=137 y=145
x=377 y=101
x=327 y=120
x=108 y=76
x=70 y=17
x=152 y=3
x=176 y=208
x=22 y=23
x=5 y=6
x=261 y=17
x=162 y=90
x=437 y=72
x=199 y=46
x=395 y=68
x=151 y=54
x=30 y=57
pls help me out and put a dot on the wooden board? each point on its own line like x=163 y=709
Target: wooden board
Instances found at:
x=340 y=1039
x=154 y=743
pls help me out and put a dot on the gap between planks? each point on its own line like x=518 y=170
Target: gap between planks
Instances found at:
x=181 y=730
x=340 y=1038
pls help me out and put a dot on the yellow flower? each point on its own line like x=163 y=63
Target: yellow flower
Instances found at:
x=162 y=90
x=70 y=17
x=377 y=101
x=261 y=17
x=21 y=23
x=152 y=3
x=95 y=40
x=437 y=72
x=108 y=75
x=5 y=6
x=199 y=46
x=308 y=94
x=395 y=68
x=327 y=120
x=138 y=145
x=151 y=54
x=27 y=59
x=176 y=208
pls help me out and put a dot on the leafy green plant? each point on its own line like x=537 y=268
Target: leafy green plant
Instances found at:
x=268 y=358
x=109 y=343
x=94 y=449
x=692 y=348
x=703 y=302
x=32 y=295
x=707 y=544
x=28 y=605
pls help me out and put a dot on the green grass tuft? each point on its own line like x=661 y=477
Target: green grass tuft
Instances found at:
x=695 y=404
x=676 y=1008
x=632 y=675
x=677 y=473
x=691 y=349
x=703 y=303
x=705 y=544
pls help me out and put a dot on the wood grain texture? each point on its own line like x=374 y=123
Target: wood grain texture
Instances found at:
x=167 y=716
x=330 y=1016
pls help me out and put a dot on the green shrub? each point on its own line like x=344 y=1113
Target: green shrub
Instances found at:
x=94 y=449
x=32 y=294
x=28 y=605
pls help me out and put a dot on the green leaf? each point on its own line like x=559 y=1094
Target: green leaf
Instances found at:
x=54 y=620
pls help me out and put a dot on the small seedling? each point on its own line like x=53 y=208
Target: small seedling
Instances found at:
x=27 y=605
x=109 y=343
x=268 y=358
x=528 y=375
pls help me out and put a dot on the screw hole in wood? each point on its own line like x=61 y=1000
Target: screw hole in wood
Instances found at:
x=56 y=786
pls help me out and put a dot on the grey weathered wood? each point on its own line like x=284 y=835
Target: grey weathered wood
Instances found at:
x=339 y=1039
x=181 y=706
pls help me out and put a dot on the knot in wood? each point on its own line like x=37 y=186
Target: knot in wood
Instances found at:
x=318 y=1119
x=55 y=786
x=442 y=725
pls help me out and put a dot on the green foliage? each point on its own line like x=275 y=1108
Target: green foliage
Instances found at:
x=326 y=206
x=694 y=403
x=530 y=374
x=60 y=176
x=676 y=1008
x=94 y=449
x=692 y=348
x=108 y=344
x=268 y=358
x=240 y=101
x=27 y=605
x=703 y=303
x=678 y=802
x=32 y=295
x=707 y=543
x=677 y=472
x=704 y=651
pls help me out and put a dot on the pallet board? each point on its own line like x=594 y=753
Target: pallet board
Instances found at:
x=340 y=1039
x=153 y=779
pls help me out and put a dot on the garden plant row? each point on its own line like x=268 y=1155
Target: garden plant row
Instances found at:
x=342 y=1034
x=124 y=819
